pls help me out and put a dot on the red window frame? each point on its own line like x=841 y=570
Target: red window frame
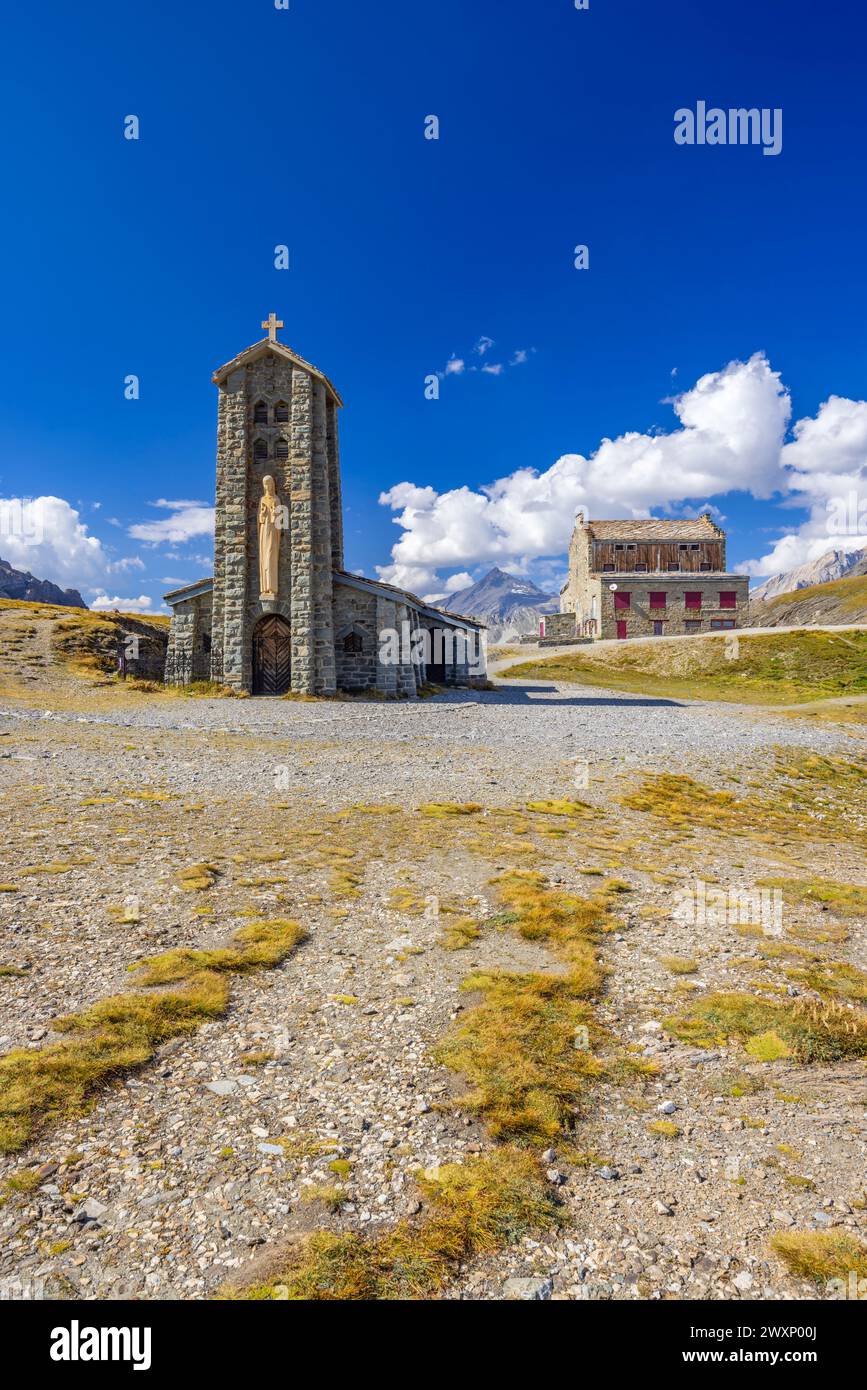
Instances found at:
x=622 y=599
x=728 y=598
x=658 y=598
x=692 y=599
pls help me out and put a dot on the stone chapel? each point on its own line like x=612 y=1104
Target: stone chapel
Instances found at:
x=281 y=613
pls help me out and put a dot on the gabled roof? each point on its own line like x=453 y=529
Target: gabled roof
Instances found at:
x=357 y=581
x=201 y=586
x=655 y=529
x=252 y=354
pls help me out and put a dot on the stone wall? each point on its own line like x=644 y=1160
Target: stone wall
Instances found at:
x=355 y=614
x=189 y=653
x=640 y=617
x=559 y=627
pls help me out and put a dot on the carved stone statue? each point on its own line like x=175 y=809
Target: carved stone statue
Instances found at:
x=270 y=513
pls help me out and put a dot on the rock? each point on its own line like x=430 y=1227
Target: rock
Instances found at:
x=668 y=1107
x=783 y=1218
x=662 y=1209
x=743 y=1281
x=89 y=1210
x=529 y=1290
x=270 y=1149
x=610 y=1174
x=225 y=1087
x=555 y=1176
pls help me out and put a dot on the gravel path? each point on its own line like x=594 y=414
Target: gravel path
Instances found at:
x=198 y=1168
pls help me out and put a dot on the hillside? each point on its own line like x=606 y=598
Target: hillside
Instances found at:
x=778 y=669
x=52 y=645
x=842 y=601
x=834 y=564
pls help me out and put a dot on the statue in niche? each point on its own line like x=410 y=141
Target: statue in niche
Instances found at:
x=270 y=525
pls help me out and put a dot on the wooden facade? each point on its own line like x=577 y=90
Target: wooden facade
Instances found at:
x=657 y=557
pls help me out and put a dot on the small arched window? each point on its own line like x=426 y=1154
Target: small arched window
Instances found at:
x=260 y=449
x=353 y=644
x=260 y=413
x=281 y=413
x=281 y=449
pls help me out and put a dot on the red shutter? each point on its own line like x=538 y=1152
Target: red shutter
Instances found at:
x=728 y=599
x=693 y=600
x=657 y=600
x=621 y=599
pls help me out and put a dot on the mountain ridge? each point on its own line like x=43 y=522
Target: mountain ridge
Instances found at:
x=25 y=587
x=836 y=563
x=508 y=604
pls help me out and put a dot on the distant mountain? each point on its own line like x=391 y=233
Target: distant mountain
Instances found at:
x=509 y=605
x=834 y=564
x=830 y=605
x=20 y=584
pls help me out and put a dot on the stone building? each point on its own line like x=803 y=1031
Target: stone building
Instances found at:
x=281 y=613
x=646 y=579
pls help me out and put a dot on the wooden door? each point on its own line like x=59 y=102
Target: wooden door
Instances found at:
x=272 y=657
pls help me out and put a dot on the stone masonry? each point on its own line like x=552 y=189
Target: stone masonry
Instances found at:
x=277 y=415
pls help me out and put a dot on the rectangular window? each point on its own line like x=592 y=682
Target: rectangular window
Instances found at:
x=718 y=623
x=704 y=566
x=657 y=627
x=692 y=599
x=728 y=599
x=622 y=599
x=683 y=547
x=695 y=547
x=618 y=547
x=674 y=569
x=641 y=569
x=607 y=569
x=692 y=625
x=657 y=600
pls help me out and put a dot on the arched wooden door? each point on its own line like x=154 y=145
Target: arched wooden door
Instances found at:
x=272 y=657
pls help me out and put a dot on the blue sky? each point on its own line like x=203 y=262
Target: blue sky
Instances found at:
x=306 y=127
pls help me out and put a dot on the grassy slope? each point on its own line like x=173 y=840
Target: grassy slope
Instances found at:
x=777 y=669
x=845 y=599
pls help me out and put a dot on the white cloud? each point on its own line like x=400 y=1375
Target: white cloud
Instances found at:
x=493 y=368
x=187 y=520
x=46 y=536
x=826 y=472
x=456 y=582
x=455 y=366
x=483 y=345
x=732 y=427
x=129 y=562
x=102 y=602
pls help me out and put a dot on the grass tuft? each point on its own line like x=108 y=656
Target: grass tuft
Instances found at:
x=473 y=1209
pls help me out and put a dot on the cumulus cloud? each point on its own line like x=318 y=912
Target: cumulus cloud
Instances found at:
x=101 y=602
x=187 y=520
x=46 y=536
x=732 y=425
x=826 y=472
x=456 y=582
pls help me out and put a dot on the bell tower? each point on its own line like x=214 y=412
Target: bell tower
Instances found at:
x=272 y=617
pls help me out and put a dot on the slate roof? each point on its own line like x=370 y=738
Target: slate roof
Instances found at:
x=203 y=586
x=655 y=529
